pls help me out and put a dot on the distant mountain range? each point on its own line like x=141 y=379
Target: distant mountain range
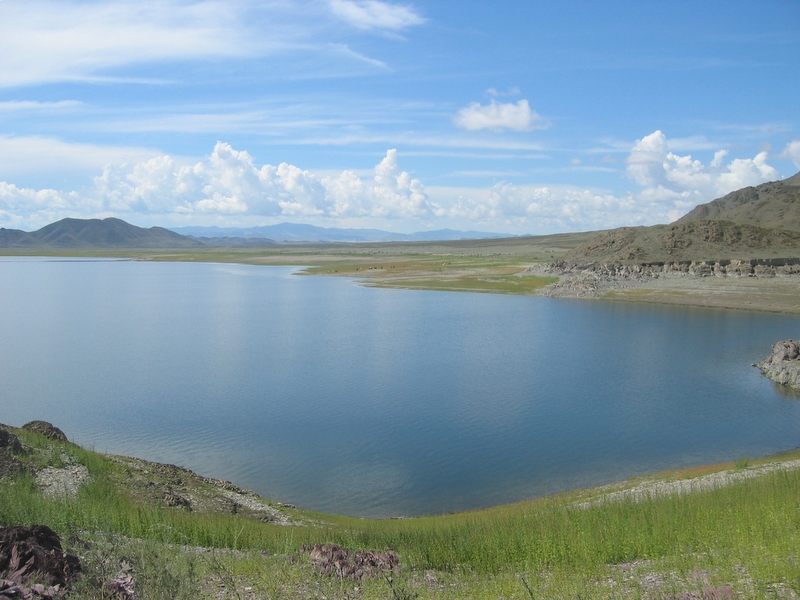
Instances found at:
x=754 y=222
x=111 y=233
x=295 y=232
x=87 y=234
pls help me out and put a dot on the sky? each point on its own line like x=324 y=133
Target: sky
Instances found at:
x=525 y=117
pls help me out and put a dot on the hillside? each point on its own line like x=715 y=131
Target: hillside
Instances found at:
x=702 y=239
x=761 y=222
x=774 y=204
x=163 y=531
x=87 y=234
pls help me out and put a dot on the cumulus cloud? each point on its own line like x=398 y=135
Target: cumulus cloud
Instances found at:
x=670 y=186
x=18 y=205
x=498 y=116
x=372 y=14
x=227 y=183
x=792 y=152
x=665 y=174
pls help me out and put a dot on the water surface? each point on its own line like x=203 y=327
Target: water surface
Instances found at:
x=380 y=402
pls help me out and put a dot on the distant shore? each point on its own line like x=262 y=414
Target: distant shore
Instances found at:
x=525 y=266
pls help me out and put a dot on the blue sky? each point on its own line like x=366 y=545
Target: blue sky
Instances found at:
x=519 y=117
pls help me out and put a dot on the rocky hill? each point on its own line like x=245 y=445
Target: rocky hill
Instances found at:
x=761 y=222
x=704 y=239
x=774 y=205
x=88 y=234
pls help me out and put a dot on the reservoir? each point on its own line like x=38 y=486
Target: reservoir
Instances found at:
x=376 y=402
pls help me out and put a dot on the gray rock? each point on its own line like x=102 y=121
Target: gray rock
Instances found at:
x=783 y=365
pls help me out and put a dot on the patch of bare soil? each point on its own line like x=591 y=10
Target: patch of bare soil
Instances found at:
x=63 y=481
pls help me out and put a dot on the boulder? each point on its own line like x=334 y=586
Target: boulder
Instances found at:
x=48 y=430
x=33 y=564
x=783 y=365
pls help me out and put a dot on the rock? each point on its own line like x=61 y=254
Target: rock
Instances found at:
x=9 y=448
x=174 y=499
x=48 y=430
x=31 y=558
x=10 y=441
x=783 y=365
x=123 y=584
x=331 y=559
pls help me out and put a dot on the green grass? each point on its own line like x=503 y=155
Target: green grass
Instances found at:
x=752 y=525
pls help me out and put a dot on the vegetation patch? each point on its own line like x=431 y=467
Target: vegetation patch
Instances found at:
x=739 y=535
x=495 y=285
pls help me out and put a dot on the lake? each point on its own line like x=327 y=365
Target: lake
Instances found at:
x=378 y=402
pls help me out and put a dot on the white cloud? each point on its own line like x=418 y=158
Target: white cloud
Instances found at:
x=31 y=105
x=19 y=207
x=345 y=50
x=44 y=41
x=227 y=186
x=665 y=174
x=37 y=154
x=792 y=152
x=372 y=14
x=671 y=185
x=498 y=116
x=41 y=40
x=227 y=183
x=512 y=91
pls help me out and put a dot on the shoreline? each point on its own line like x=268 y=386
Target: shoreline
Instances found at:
x=179 y=487
x=519 y=266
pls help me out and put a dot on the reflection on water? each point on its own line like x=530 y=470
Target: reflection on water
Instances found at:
x=380 y=402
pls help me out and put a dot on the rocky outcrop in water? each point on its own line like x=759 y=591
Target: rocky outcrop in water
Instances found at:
x=783 y=365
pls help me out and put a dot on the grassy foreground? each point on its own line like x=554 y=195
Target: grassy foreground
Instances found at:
x=737 y=540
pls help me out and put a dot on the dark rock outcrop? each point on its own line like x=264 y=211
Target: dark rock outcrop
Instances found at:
x=48 y=430
x=783 y=365
x=33 y=564
x=10 y=448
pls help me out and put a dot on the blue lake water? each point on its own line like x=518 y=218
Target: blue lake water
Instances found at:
x=377 y=402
